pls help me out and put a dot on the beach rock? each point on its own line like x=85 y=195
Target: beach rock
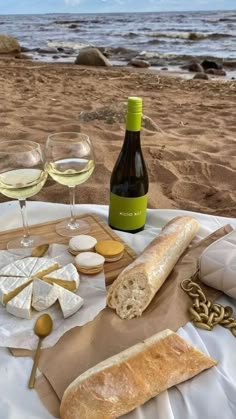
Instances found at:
x=9 y=45
x=206 y=64
x=164 y=69
x=200 y=76
x=139 y=63
x=92 y=56
x=195 y=67
x=216 y=72
x=115 y=113
x=22 y=57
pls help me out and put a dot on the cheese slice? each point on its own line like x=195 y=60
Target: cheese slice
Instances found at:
x=20 y=305
x=69 y=302
x=26 y=265
x=11 y=286
x=43 y=266
x=11 y=270
x=44 y=295
x=67 y=277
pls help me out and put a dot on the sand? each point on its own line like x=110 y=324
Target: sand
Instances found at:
x=191 y=157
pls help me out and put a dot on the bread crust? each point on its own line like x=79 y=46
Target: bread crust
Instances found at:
x=129 y=379
x=151 y=268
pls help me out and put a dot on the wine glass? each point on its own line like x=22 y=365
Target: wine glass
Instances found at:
x=22 y=175
x=70 y=162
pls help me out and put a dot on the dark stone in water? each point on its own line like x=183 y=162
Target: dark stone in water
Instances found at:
x=216 y=72
x=47 y=50
x=229 y=63
x=60 y=49
x=68 y=22
x=193 y=36
x=118 y=51
x=73 y=26
x=164 y=69
x=139 y=63
x=206 y=64
x=196 y=67
x=200 y=76
x=25 y=49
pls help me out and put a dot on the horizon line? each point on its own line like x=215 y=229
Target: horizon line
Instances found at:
x=120 y=12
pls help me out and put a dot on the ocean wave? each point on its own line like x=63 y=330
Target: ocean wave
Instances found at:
x=191 y=36
x=177 y=58
x=73 y=45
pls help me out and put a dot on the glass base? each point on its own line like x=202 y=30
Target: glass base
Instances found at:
x=24 y=246
x=68 y=229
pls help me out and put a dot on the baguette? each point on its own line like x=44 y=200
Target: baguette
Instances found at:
x=133 y=290
x=121 y=383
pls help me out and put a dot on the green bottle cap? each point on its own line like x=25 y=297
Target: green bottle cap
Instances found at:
x=135 y=104
x=134 y=114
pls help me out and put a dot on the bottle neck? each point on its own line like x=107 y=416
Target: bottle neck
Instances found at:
x=132 y=133
x=132 y=141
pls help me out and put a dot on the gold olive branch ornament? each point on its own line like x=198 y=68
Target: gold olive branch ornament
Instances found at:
x=204 y=313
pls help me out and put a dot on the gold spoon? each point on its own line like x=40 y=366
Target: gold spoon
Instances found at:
x=39 y=251
x=42 y=328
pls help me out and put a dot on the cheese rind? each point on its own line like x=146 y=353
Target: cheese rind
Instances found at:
x=44 y=295
x=11 y=286
x=20 y=305
x=69 y=302
x=11 y=270
x=67 y=277
x=26 y=265
x=43 y=266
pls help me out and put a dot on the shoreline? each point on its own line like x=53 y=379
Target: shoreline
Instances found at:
x=171 y=71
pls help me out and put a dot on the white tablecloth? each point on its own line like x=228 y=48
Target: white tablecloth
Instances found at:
x=210 y=395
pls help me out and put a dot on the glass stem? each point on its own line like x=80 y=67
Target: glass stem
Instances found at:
x=26 y=241
x=72 y=222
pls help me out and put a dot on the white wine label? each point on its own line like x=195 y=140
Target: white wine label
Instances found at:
x=127 y=213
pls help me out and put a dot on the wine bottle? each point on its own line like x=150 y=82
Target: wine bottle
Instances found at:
x=129 y=179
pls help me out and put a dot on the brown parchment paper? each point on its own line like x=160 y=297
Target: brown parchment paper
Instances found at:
x=83 y=347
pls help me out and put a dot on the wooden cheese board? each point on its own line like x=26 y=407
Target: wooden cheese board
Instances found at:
x=99 y=229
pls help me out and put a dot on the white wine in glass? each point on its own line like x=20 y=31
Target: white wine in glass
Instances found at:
x=22 y=175
x=70 y=162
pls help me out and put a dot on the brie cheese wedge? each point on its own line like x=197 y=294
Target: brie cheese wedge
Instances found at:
x=67 y=277
x=43 y=266
x=44 y=295
x=69 y=302
x=11 y=270
x=20 y=305
x=26 y=265
x=10 y=286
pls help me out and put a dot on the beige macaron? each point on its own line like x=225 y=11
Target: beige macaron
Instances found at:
x=112 y=250
x=89 y=263
x=81 y=243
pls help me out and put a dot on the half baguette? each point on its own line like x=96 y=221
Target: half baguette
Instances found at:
x=127 y=380
x=133 y=290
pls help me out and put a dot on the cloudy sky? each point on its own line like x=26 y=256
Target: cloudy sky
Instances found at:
x=95 y=6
